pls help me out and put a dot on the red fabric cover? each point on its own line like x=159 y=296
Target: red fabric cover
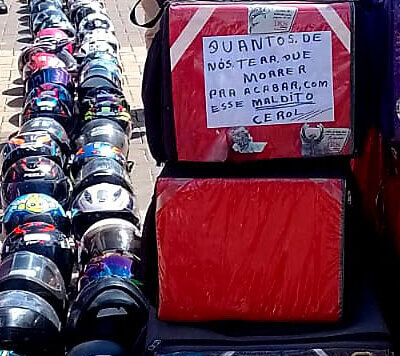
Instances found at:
x=196 y=142
x=250 y=249
x=369 y=169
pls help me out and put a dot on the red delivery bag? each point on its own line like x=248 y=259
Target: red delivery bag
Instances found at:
x=251 y=81
x=259 y=249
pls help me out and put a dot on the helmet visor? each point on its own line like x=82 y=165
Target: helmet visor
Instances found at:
x=35 y=268
x=18 y=299
x=113 y=235
x=57 y=189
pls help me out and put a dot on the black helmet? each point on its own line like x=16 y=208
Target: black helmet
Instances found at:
x=92 y=45
x=111 y=110
x=43 y=239
x=54 y=18
x=102 y=201
x=104 y=130
x=58 y=97
x=28 y=324
x=38 y=143
x=113 y=235
x=35 y=175
x=96 y=150
x=95 y=21
x=33 y=3
x=75 y=5
x=35 y=207
x=104 y=55
x=58 y=76
x=41 y=6
x=98 y=348
x=109 y=308
x=28 y=271
x=50 y=100
x=92 y=7
x=99 y=73
x=52 y=127
x=101 y=170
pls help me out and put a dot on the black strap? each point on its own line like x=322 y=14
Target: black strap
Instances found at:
x=149 y=24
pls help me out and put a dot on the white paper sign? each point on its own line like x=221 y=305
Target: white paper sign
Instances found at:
x=269 y=79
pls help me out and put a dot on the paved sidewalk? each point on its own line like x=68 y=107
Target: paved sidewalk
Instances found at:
x=14 y=35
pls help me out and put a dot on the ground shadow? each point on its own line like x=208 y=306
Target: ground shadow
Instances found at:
x=24 y=40
x=17 y=91
x=24 y=10
x=16 y=103
x=24 y=32
x=14 y=120
x=18 y=81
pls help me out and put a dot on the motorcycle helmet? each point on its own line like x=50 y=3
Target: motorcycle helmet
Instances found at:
x=103 y=95
x=42 y=60
x=93 y=7
x=92 y=46
x=110 y=111
x=52 y=127
x=35 y=175
x=38 y=143
x=98 y=348
x=29 y=325
x=95 y=21
x=109 y=308
x=49 y=91
x=102 y=201
x=35 y=207
x=103 y=130
x=95 y=150
x=52 y=32
x=45 y=240
x=58 y=76
x=113 y=235
x=41 y=6
x=75 y=5
x=32 y=58
x=101 y=35
x=111 y=265
x=33 y=3
x=101 y=170
x=28 y=271
x=52 y=19
x=50 y=100
x=99 y=73
x=100 y=64
x=103 y=55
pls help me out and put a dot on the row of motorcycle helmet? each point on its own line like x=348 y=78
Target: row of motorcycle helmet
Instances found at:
x=66 y=193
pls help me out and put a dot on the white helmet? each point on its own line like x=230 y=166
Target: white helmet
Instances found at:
x=93 y=22
x=98 y=41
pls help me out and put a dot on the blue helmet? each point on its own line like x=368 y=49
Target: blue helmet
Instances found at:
x=96 y=150
x=35 y=207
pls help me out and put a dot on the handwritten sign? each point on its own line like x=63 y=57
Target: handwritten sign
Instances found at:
x=268 y=79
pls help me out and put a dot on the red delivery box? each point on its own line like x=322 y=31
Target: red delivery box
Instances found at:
x=259 y=249
x=256 y=81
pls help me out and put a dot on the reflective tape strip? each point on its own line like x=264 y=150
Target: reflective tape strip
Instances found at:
x=320 y=352
x=337 y=25
x=189 y=33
